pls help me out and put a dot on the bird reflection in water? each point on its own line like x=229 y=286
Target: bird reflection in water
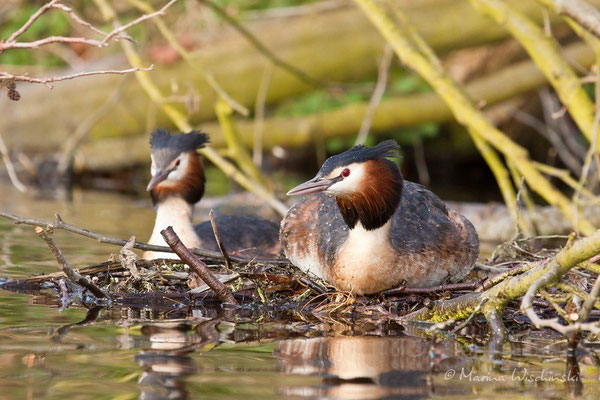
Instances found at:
x=167 y=362
x=360 y=367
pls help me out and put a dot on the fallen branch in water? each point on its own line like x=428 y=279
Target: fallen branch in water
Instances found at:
x=46 y=234
x=514 y=287
x=434 y=289
x=197 y=265
x=61 y=224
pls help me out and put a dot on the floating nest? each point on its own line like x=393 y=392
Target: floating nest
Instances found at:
x=283 y=292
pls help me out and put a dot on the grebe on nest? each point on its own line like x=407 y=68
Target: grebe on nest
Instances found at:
x=177 y=183
x=365 y=229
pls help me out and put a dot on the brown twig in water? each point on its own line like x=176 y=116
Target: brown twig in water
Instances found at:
x=60 y=224
x=197 y=265
x=46 y=234
x=434 y=289
x=213 y=223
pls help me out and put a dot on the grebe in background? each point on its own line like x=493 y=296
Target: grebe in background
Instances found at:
x=177 y=183
x=365 y=229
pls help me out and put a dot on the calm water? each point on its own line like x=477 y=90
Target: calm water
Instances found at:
x=205 y=353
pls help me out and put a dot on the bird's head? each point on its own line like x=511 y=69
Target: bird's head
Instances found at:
x=176 y=166
x=366 y=185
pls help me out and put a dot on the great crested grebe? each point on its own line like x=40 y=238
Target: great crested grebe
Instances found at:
x=177 y=183
x=367 y=230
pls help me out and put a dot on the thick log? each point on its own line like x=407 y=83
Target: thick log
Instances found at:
x=331 y=45
x=392 y=113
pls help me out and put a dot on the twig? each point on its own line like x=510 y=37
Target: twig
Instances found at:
x=434 y=289
x=211 y=214
x=382 y=80
x=46 y=234
x=184 y=125
x=77 y=138
x=497 y=329
x=31 y=20
x=11 y=43
x=580 y=11
x=189 y=58
x=470 y=318
x=298 y=73
x=569 y=159
x=259 y=115
x=123 y=28
x=197 y=265
x=309 y=283
x=10 y=168
x=128 y=258
x=593 y=145
x=60 y=224
x=589 y=302
x=64 y=294
x=47 y=81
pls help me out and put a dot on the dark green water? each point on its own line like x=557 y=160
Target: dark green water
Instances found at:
x=123 y=354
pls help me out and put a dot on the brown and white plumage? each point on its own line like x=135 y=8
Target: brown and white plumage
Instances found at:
x=178 y=182
x=366 y=229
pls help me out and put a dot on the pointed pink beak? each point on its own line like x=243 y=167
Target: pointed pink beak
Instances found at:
x=315 y=185
x=158 y=178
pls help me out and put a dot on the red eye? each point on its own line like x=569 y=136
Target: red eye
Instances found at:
x=345 y=172
x=177 y=163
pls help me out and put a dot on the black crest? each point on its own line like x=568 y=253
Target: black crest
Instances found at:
x=162 y=139
x=360 y=153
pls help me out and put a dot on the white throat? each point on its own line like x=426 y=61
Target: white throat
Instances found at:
x=175 y=212
x=364 y=240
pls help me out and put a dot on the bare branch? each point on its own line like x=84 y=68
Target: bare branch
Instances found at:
x=136 y=21
x=46 y=234
x=197 y=265
x=298 y=73
x=215 y=229
x=382 y=80
x=583 y=13
x=11 y=43
x=60 y=224
x=47 y=81
x=10 y=168
x=78 y=19
x=30 y=21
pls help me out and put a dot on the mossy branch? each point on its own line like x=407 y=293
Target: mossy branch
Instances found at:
x=189 y=59
x=183 y=124
x=237 y=151
x=467 y=114
x=513 y=287
x=545 y=51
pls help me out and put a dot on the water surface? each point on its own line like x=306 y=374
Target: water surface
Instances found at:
x=211 y=353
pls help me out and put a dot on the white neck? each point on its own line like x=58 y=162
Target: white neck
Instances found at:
x=364 y=239
x=175 y=212
x=366 y=259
